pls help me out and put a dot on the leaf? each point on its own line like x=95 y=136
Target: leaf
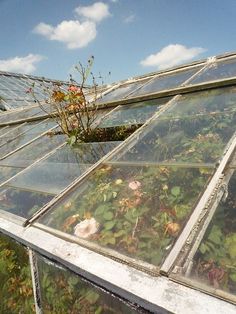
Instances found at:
x=92 y=297
x=233 y=277
x=72 y=140
x=108 y=215
x=109 y=225
x=175 y=191
x=203 y=248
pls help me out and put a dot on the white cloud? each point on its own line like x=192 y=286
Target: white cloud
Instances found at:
x=95 y=12
x=172 y=55
x=129 y=19
x=21 y=64
x=72 y=33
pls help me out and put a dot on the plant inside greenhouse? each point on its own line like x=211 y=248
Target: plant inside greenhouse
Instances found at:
x=119 y=198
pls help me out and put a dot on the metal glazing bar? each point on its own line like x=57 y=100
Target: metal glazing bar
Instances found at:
x=35 y=282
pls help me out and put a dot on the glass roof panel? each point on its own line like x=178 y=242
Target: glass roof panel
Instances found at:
x=35 y=150
x=214 y=264
x=137 y=211
x=195 y=129
x=3 y=130
x=121 y=92
x=25 y=137
x=7 y=172
x=49 y=177
x=22 y=202
x=216 y=71
x=57 y=171
x=77 y=295
x=167 y=81
x=15 y=132
x=19 y=115
x=136 y=113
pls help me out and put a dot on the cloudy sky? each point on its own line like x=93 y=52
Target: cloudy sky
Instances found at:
x=126 y=37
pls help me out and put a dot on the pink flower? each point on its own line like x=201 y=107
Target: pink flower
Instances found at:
x=134 y=185
x=73 y=88
x=86 y=228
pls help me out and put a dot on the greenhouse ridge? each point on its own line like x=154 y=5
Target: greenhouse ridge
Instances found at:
x=119 y=224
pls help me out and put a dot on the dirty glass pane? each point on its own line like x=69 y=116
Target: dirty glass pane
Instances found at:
x=136 y=113
x=186 y=133
x=26 y=137
x=19 y=115
x=216 y=71
x=138 y=211
x=214 y=101
x=15 y=132
x=3 y=130
x=214 y=263
x=188 y=140
x=7 y=172
x=37 y=149
x=21 y=202
x=65 y=292
x=16 y=291
x=121 y=92
x=57 y=171
x=164 y=82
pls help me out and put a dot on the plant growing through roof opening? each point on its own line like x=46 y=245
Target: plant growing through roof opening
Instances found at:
x=74 y=114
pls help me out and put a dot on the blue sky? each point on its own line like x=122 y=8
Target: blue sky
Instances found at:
x=126 y=37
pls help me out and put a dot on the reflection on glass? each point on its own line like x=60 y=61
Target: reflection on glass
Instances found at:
x=137 y=210
x=26 y=137
x=22 y=202
x=15 y=131
x=53 y=174
x=65 y=292
x=215 y=261
x=195 y=129
x=7 y=172
x=166 y=81
x=37 y=149
x=16 y=291
x=216 y=71
x=19 y=115
x=212 y=101
x=120 y=92
x=136 y=113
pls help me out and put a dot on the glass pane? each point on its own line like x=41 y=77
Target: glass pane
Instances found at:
x=3 y=130
x=216 y=71
x=136 y=113
x=16 y=291
x=22 y=202
x=53 y=174
x=214 y=263
x=36 y=150
x=164 y=82
x=7 y=172
x=214 y=101
x=26 y=137
x=137 y=211
x=19 y=115
x=65 y=292
x=15 y=132
x=121 y=92
x=189 y=138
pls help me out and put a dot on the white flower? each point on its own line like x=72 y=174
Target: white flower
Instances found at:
x=86 y=228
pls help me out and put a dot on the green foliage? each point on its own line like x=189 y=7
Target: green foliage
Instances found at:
x=139 y=211
x=64 y=292
x=215 y=261
x=16 y=291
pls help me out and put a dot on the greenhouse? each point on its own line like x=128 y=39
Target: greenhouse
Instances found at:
x=141 y=221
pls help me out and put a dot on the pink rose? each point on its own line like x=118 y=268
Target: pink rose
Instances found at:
x=134 y=185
